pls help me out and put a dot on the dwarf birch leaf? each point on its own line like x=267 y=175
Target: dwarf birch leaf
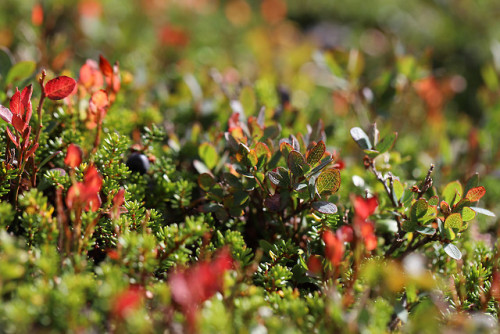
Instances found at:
x=208 y=154
x=453 y=221
x=453 y=251
x=419 y=209
x=468 y=214
x=483 y=211
x=325 y=207
x=427 y=230
x=475 y=194
x=315 y=154
x=386 y=143
x=297 y=163
x=328 y=181
x=206 y=181
x=472 y=182
x=361 y=138
x=279 y=177
x=398 y=189
x=452 y=193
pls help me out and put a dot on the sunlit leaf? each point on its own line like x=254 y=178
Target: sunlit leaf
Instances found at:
x=386 y=143
x=452 y=193
x=453 y=221
x=468 y=214
x=328 y=181
x=325 y=207
x=483 y=211
x=361 y=138
x=315 y=154
x=475 y=194
x=208 y=154
x=453 y=251
x=297 y=164
x=59 y=88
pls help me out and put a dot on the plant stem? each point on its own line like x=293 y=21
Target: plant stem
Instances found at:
x=40 y=124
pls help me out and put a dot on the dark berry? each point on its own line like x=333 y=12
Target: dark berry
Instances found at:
x=138 y=162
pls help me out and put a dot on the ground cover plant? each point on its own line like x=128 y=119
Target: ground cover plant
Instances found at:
x=173 y=175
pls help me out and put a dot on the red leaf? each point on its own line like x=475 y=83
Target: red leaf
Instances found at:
x=15 y=103
x=73 y=156
x=26 y=102
x=5 y=114
x=18 y=123
x=364 y=207
x=90 y=76
x=37 y=15
x=60 y=87
x=105 y=67
x=92 y=179
x=127 y=302
x=475 y=194
x=119 y=198
x=334 y=248
x=31 y=151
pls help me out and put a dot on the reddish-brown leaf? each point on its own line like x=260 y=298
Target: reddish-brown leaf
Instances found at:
x=31 y=151
x=73 y=157
x=60 y=87
x=105 y=67
x=475 y=194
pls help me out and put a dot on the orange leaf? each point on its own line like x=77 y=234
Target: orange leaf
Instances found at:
x=73 y=156
x=475 y=194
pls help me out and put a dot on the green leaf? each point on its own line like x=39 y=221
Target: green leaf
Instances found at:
x=20 y=71
x=452 y=193
x=279 y=177
x=325 y=207
x=453 y=221
x=483 y=211
x=468 y=214
x=453 y=251
x=297 y=164
x=285 y=149
x=398 y=189
x=472 y=182
x=327 y=160
x=409 y=226
x=328 y=181
x=386 y=143
x=427 y=230
x=6 y=61
x=315 y=154
x=361 y=138
x=263 y=150
x=419 y=210
x=208 y=155
x=206 y=181
x=434 y=200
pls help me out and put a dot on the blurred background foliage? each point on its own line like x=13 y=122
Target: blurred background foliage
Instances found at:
x=427 y=69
